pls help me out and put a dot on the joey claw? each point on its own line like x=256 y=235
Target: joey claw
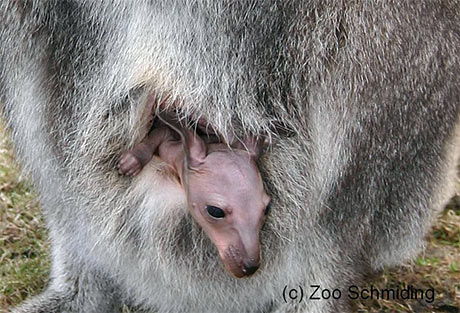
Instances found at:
x=128 y=164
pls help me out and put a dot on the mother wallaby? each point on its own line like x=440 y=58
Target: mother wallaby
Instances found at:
x=366 y=94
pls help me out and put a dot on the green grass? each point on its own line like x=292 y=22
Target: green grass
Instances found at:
x=437 y=267
x=24 y=260
x=24 y=251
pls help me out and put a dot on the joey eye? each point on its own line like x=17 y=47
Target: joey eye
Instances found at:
x=267 y=209
x=215 y=212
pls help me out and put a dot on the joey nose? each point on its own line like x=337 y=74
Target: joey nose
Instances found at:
x=250 y=268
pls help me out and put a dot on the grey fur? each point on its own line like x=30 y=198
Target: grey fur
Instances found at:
x=369 y=90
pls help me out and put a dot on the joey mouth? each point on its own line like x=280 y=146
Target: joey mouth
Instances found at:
x=235 y=262
x=231 y=258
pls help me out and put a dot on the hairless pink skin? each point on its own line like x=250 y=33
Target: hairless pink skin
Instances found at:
x=161 y=139
x=225 y=192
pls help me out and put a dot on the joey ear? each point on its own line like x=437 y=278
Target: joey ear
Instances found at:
x=252 y=144
x=195 y=148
